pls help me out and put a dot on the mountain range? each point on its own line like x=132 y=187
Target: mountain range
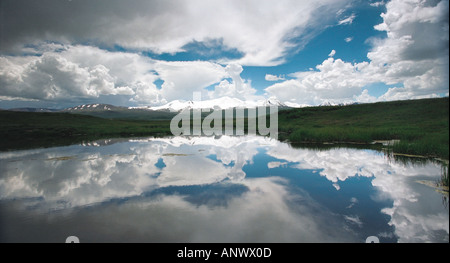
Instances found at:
x=222 y=104
x=169 y=110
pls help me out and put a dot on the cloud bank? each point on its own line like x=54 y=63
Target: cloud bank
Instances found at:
x=82 y=51
x=259 y=29
x=407 y=59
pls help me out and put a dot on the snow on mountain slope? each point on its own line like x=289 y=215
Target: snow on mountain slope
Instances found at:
x=221 y=103
x=332 y=103
x=93 y=107
x=178 y=105
x=295 y=105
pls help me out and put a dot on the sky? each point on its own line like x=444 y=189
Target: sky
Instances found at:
x=63 y=53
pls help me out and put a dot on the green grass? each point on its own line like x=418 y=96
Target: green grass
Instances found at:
x=22 y=130
x=422 y=126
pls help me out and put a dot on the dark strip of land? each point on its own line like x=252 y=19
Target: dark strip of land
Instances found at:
x=25 y=130
x=422 y=126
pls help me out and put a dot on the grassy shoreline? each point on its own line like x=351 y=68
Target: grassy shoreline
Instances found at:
x=25 y=130
x=421 y=126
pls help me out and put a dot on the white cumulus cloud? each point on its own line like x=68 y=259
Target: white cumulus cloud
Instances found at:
x=86 y=72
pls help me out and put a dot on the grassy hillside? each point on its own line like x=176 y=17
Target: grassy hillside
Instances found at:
x=20 y=130
x=422 y=126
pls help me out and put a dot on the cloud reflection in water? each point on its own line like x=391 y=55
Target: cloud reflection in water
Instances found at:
x=201 y=193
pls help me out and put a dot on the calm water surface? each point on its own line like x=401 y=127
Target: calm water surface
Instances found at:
x=205 y=189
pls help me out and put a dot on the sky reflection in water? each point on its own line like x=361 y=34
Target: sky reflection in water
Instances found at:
x=205 y=189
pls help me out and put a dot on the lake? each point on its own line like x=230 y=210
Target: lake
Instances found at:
x=226 y=189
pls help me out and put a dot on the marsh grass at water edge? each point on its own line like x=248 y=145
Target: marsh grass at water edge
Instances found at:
x=421 y=126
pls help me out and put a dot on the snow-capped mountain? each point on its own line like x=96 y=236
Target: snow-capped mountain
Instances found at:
x=118 y=112
x=168 y=110
x=331 y=103
x=221 y=103
x=93 y=107
x=295 y=105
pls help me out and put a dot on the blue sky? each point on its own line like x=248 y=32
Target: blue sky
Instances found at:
x=334 y=37
x=151 y=52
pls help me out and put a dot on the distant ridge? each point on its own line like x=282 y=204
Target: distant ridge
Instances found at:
x=169 y=110
x=33 y=110
x=329 y=103
x=108 y=111
x=221 y=103
x=93 y=107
